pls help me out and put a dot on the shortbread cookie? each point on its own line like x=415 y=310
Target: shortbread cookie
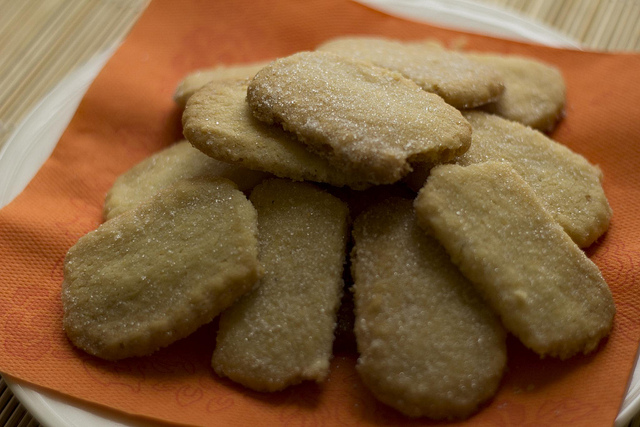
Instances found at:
x=281 y=333
x=196 y=80
x=545 y=289
x=156 y=273
x=429 y=345
x=367 y=120
x=534 y=94
x=164 y=168
x=218 y=122
x=568 y=186
x=458 y=79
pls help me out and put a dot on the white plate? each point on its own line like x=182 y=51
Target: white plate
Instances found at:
x=34 y=140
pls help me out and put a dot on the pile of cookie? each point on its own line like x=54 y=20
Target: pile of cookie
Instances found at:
x=422 y=169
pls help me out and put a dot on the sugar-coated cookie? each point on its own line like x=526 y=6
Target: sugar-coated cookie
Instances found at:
x=218 y=122
x=566 y=183
x=197 y=79
x=164 y=168
x=458 y=79
x=543 y=286
x=429 y=345
x=535 y=92
x=367 y=120
x=281 y=333
x=155 y=273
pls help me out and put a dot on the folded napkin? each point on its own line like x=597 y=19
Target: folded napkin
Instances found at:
x=128 y=113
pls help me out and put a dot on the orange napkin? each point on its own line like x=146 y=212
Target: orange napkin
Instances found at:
x=128 y=113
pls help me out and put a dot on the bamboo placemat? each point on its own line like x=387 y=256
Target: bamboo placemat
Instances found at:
x=611 y=25
x=41 y=41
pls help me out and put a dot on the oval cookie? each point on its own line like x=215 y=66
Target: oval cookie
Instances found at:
x=281 y=333
x=367 y=120
x=458 y=79
x=545 y=289
x=156 y=273
x=198 y=79
x=534 y=92
x=218 y=122
x=429 y=345
x=568 y=186
x=164 y=168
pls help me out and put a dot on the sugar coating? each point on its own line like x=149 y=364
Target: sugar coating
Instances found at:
x=199 y=78
x=568 y=186
x=156 y=273
x=545 y=289
x=164 y=168
x=534 y=94
x=365 y=119
x=218 y=122
x=429 y=345
x=458 y=79
x=281 y=333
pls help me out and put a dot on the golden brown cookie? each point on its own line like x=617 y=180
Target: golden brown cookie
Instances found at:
x=429 y=345
x=281 y=333
x=156 y=273
x=568 y=186
x=367 y=120
x=218 y=122
x=492 y=224
x=164 y=168
x=197 y=79
x=534 y=94
x=458 y=79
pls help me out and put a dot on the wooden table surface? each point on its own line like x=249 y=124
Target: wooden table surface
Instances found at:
x=41 y=41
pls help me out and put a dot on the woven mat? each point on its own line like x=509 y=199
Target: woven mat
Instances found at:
x=41 y=41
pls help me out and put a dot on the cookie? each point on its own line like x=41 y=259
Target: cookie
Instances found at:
x=367 y=120
x=429 y=345
x=542 y=285
x=458 y=79
x=534 y=94
x=164 y=168
x=566 y=183
x=155 y=273
x=197 y=79
x=281 y=333
x=218 y=122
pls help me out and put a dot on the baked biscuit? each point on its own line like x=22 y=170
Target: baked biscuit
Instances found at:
x=155 y=273
x=281 y=333
x=367 y=120
x=218 y=122
x=164 y=168
x=458 y=79
x=534 y=94
x=429 y=345
x=568 y=186
x=197 y=79
x=564 y=181
x=545 y=289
